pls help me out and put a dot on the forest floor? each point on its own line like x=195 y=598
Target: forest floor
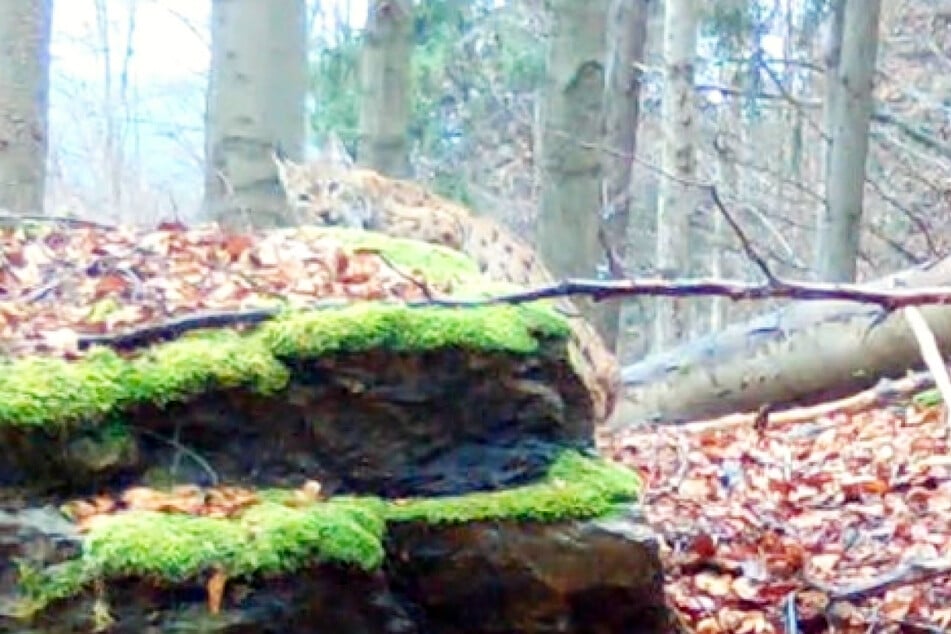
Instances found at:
x=835 y=523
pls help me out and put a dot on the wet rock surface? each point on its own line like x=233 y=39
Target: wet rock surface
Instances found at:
x=322 y=599
x=390 y=424
x=39 y=535
x=598 y=576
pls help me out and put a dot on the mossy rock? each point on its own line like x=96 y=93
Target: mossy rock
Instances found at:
x=272 y=539
x=411 y=418
x=54 y=392
x=349 y=374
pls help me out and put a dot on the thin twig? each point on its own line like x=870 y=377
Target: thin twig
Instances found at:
x=419 y=284
x=751 y=253
x=902 y=575
x=182 y=449
x=929 y=351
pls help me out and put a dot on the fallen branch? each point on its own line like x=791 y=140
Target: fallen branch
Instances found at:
x=888 y=299
x=15 y=219
x=174 y=328
x=885 y=392
x=902 y=575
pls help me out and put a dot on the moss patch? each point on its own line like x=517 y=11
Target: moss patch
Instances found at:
x=928 y=398
x=438 y=263
x=46 y=392
x=268 y=539
x=271 y=538
x=575 y=487
x=362 y=327
x=39 y=391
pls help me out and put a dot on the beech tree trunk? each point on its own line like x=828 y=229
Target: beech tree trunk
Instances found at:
x=257 y=92
x=677 y=199
x=627 y=34
x=805 y=353
x=572 y=115
x=386 y=87
x=24 y=103
x=850 y=114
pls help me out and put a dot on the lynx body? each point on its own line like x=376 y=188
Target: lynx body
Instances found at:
x=332 y=191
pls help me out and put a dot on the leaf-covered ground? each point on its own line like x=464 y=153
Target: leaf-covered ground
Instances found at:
x=57 y=284
x=839 y=523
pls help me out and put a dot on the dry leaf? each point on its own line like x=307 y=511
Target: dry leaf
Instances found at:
x=216 y=588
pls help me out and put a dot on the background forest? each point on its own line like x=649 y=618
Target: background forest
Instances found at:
x=127 y=140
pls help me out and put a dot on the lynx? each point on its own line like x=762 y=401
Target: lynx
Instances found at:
x=332 y=191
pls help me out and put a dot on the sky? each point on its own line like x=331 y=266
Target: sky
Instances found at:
x=164 y=53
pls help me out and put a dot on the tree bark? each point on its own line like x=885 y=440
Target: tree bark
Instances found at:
x=805 y=353
x=24 y=103
x=677 y=197
x=850 y=114
x=385 y=80
x=572 y=115
x=627 y=33
x=257 y=92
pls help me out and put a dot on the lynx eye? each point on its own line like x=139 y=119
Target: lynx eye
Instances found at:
x=303 y=197
x=333 y=187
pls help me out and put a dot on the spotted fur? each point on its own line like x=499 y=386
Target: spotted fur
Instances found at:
x=332 y=191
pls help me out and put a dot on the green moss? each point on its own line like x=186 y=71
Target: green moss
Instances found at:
x=271 y=538
x=202 y=362
x=439 y=264
x=513 y=329
x=40 y=588
x=267 y=539
x=103 y=446
x=928 y=398
x=576 y=487
x=41 y=391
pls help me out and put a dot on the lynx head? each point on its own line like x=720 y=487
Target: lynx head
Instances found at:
x=322 y=190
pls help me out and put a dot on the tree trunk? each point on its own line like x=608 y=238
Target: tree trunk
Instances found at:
x=24 y=102
x=572 y=115
x=627 y=33
x=850 y=113
x=805 y=353
x=256 y=98
x=677 y=198
x=831 y=48
x=385 y=87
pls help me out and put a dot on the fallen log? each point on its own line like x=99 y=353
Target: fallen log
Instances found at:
x=801 y=354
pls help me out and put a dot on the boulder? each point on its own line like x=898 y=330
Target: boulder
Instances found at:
x=588 y=576
x=358 y=458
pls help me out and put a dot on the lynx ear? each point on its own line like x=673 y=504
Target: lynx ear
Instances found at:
x=284 y=165
x=278 y=153
x=336 y=152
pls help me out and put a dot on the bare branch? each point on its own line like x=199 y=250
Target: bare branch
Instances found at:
x=889 y=299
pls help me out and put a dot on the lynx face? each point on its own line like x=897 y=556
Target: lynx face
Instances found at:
x=322 y=193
